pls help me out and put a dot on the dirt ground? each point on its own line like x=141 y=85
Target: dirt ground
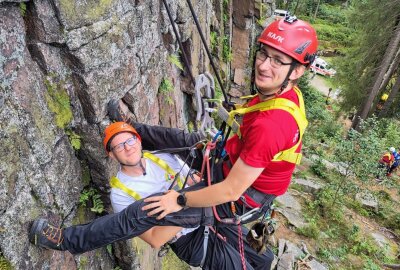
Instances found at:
x=319 y=83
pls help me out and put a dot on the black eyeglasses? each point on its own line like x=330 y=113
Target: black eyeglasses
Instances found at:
x=121 y=146
x=275 y=62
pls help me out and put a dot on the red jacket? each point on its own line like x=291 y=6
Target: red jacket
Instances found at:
x=387 y=159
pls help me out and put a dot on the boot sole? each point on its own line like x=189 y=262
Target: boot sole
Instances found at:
x=35 y=230
x=113 y=110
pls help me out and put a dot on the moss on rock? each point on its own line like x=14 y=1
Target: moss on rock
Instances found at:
x=90 y=10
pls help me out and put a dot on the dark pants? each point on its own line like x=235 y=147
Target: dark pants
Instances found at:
x=220 y=254
x=132 y=221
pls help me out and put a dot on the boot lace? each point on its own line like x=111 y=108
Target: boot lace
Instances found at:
x=53 y=234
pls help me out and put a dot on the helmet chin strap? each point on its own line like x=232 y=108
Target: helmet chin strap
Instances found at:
x=139 y=163
x=283 y=85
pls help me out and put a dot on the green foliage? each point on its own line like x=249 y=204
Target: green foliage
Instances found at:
x=371 y=20
x=333 y=253
x=90 y=10
x=109 y=249
x=214 y=42
x=171 y=261
x=390 y=218
x=388 y=131
x=370 y=265
x=332 y=37
x=174 y=59
x=22 y=8
x=357 y=207
x=58 y=101
x=190 y=126
x=117 y=268
x=226 y=49
x=359 y=150
x=360 y=244
x=74 y=139
x=263 y=14
x=83 y=262
x=4 y=263
x=166 y=87
x=91 y=195
x=215 y=47
x=334 y=14
x=98 y=206
x=319 y=168
x=311 y=230
x=314 y=101
x=225 y=8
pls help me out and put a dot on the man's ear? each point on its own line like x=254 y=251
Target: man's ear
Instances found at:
x=111 y=155
x=297 y=72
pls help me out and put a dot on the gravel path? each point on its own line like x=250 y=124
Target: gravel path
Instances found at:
x=319 y=83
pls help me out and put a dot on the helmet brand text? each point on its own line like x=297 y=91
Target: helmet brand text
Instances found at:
x=275 y=37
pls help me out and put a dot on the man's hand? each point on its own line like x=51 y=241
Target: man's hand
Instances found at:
x=164 y=205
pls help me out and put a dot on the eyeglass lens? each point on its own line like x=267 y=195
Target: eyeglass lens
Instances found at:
x=121 y=146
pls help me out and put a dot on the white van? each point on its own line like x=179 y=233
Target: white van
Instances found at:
x=280 y=14
x=320 y=66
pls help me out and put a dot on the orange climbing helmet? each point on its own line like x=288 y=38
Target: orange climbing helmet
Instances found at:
x=116 y=128
x=293 y=37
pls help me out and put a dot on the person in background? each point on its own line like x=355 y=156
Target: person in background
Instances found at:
x=396 y=160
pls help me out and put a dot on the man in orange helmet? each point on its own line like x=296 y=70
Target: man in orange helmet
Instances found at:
x=263 y=157
x=142 y=174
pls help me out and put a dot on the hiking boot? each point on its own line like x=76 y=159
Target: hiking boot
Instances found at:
x=118 y=111
x=45 y=235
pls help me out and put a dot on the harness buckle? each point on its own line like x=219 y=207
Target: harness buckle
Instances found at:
x=248 y=214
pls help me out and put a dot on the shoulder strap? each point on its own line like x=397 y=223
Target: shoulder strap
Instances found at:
x=163 y=165
x=115 y=183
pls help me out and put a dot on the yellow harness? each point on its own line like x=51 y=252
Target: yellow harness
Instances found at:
x=169 y=176
x=298 y=113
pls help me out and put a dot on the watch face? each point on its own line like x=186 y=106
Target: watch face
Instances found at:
x=181 y=200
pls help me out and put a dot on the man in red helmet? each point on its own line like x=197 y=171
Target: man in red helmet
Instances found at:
x=263 y=156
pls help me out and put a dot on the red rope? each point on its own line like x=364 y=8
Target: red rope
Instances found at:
x=241 y=247
x=206 y=164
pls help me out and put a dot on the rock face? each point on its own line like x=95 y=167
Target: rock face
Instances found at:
x=61 y=62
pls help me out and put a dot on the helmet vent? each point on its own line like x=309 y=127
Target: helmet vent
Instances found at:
x=301 y=48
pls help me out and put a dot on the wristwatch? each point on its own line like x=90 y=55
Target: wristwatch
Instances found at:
x=181 y=199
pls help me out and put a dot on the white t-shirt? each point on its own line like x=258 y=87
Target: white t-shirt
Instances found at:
x=145 y=185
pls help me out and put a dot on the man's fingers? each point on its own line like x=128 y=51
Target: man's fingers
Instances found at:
x=151 y=206
x=162 y=215
x=154 y=211
x=152 y=199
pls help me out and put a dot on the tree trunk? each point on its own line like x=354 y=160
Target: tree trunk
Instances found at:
x=392 y=69
x=384 y=85
x=391 y=98
x=372 y=93
x=295 y=8
x=316 y=9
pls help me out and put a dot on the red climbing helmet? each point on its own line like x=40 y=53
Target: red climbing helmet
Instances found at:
x=116 y=128
x=293 y=37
